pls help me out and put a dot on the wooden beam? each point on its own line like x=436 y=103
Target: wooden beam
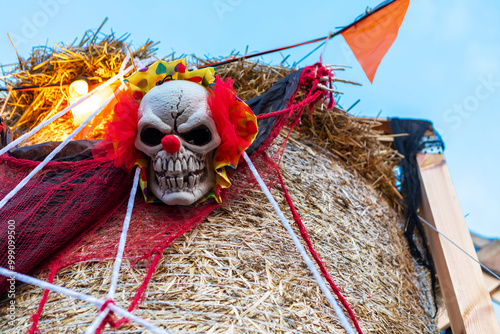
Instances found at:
x=467 y=301
x=479 y=242
x=489 y=255
x=496 y=296
x=492 y=286
x=443 y=320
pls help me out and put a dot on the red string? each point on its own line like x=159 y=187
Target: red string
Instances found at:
x=227 y=61
x=36 y=317
x=110 y=319
x=139 y=295
x=291 y=109
x=310 y=78
x=305 y=236
x=108 y=301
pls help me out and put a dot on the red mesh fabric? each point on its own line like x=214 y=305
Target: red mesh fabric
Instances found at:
x=152 y=229
x=154 y=226
x=55 y=208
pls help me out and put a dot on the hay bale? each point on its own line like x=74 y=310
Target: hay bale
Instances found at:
x=239 y=271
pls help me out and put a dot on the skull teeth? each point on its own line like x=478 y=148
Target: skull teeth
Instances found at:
x=178 y=167
x=181 y=182
x=163 y=182
x=177 y=174
x=191 y=164
x=181 y=166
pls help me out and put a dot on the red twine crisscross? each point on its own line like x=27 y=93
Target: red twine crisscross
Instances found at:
x=110 y=318
x=108 y=301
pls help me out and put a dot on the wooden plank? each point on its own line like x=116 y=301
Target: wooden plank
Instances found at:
x=443 y=320
x=492 y=286
x=467 y=301
x=491 y=283
x=489 y=255
x=496 y=296
x=479 y=242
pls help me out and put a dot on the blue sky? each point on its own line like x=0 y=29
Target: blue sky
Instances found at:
x=444 y=66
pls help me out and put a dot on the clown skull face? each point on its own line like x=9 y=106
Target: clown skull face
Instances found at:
x=177 y=132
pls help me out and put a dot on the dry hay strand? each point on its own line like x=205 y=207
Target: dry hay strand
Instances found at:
x=96 y=56
x=239 y=272
x=252 y=79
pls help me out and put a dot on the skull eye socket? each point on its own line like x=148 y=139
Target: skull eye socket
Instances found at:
x=151 y=136
x=199 y=136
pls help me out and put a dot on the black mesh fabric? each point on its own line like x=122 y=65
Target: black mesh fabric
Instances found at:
x=409 y=146
x=4 y=134
x=276 y=98
x=76 y=150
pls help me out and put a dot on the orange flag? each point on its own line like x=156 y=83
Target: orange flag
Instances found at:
x=372 y=37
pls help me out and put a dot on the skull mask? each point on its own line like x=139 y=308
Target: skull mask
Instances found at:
x=177 y=132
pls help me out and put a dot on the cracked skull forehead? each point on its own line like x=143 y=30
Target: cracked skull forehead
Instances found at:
x=178 y=112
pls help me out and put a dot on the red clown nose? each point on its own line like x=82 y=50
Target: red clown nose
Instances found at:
x=171 y=144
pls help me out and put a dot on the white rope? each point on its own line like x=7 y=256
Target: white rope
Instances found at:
x=64 y=111
x=98 y=320
x=5 y=103
x=345 y=323
x=119 y=256
x=123 y=237
x=463 y=250
x=52 y=154
x=122 y=66
x=77 y=295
